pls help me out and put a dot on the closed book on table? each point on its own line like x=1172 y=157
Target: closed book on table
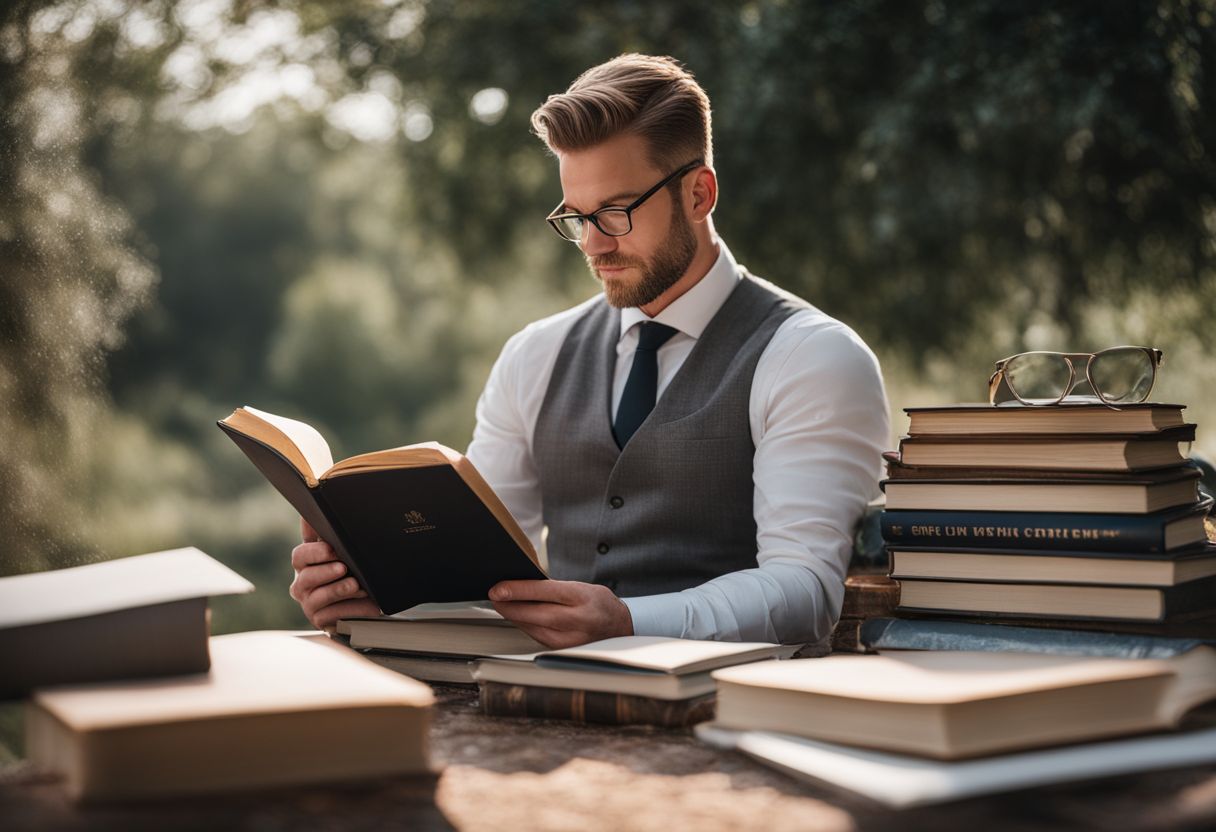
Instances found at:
x=1021 y=565
x=954 y=705
x=1078 y=452
x=901 y=781
x=468 y=630
x=1118 y=603
x=647 y=680
x=595 y=707
x=413 y=524
x=1066 y=419
x=275 y=710
x=131 y=617
x=886 y=634
x=1162 y=531
x=1140 y=493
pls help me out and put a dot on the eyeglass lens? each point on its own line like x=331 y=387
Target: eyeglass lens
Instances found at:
x=1038 y=377
x=1123 y=375
x=612 y=221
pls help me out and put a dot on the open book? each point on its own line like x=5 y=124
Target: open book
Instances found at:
x=652 y=666
x=413 y=524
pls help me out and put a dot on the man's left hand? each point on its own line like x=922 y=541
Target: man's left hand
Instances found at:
x=562 y=613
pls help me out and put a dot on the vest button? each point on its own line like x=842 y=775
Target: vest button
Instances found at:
x=616 y=502
x=602 y=548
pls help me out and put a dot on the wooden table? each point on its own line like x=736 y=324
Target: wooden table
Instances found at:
x=522 y=775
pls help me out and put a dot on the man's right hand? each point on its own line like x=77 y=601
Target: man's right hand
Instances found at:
x=322 y=587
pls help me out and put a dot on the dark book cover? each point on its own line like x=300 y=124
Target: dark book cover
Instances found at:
x=1178 y=433
x=935 y=634
x=1200 y=625
x=166 y=639
x=867 y=596
x=409 y=535
x=1085 y=534
x=498 y=699
x=1190 y=597
x=897 y=469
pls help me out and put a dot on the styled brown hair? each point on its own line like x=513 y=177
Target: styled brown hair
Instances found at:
x=647 y=96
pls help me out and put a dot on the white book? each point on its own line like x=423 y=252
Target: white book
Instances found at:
x=900 y=781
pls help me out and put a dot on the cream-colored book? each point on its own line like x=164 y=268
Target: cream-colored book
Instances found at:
x=275 y=710
x=954 y=705
x=468 y=630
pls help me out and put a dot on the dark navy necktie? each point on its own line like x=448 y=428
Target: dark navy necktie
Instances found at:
x=637 y=399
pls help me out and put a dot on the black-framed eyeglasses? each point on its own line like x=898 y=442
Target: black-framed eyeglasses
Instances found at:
x=612 y=220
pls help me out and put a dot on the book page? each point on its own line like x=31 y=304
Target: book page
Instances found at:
x=305 y=437
x=668 y=655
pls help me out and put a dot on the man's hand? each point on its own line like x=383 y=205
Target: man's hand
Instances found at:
x=562 y=613
x=321 y=586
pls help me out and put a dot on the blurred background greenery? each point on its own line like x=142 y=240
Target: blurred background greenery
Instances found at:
x=333 y=211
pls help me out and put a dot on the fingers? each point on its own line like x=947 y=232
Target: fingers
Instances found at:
x=555 y=639
x=307 y=554
x=538 y=614
x=307 y=533
x=330 y=593
x=327 y=617
x=550 y=591
x=311 y=577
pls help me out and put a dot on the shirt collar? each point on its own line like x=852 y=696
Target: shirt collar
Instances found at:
x=692 y=311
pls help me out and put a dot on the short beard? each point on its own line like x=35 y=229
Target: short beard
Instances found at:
x=659 y=274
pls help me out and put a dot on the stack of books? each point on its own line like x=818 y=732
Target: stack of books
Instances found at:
x=630 y=680
x=919 y=727
x=437 y=642
x=128 y=696
x=1074 y=514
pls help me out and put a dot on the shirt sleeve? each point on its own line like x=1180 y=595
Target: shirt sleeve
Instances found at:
x=820 y=422
x=501 y=447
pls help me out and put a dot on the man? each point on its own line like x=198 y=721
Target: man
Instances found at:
x=699 y=443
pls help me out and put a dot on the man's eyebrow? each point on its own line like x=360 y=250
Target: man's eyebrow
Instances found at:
x=615 y=200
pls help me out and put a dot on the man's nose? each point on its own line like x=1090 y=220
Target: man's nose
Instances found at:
x=597 y=242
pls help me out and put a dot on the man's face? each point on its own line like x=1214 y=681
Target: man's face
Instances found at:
x=638 y=267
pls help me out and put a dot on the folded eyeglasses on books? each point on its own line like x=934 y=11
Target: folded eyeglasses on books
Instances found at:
x=1113 y=377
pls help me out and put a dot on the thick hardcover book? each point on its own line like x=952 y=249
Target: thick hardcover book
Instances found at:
x=1075 y=452
x=499 y=699
x=867 y=596
x=1199 y=625
x=881 y=634
x=275 y=710
x=414 y=524
x=1080 y=567
x=133 y=617
x=1118 y=603
x=1147 y=417
x=951 y=704
x=901 y=781
x=1158 y=532
x=1140 y=493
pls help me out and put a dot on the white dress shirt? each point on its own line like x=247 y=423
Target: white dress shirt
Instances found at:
x=819 y=423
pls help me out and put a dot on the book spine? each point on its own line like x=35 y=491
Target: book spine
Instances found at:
x=499 y=699
x=1025 y=530
x=933 y=634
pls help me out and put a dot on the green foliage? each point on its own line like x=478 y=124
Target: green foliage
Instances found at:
x=333 y=211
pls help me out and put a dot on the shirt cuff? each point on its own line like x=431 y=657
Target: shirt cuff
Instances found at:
x=657 y=615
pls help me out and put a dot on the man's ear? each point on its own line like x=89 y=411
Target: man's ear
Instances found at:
x=704 y=193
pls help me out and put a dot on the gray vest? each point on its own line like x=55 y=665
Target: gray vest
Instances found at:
x=673 y=509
